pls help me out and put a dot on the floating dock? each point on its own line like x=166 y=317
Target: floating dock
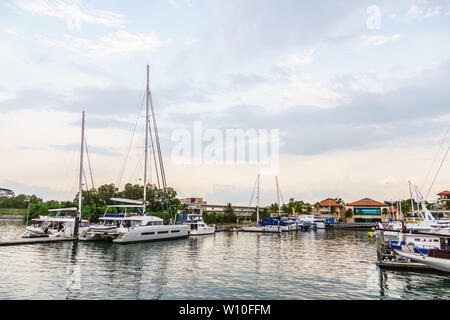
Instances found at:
x=33 y=240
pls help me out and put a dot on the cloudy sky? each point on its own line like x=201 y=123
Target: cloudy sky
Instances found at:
x=359 y=91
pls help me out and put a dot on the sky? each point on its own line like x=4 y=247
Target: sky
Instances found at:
x=358 y=93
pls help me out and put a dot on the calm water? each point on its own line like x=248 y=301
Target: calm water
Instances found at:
x=324 y=264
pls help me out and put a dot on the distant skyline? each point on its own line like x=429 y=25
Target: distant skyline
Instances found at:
x=359 y=92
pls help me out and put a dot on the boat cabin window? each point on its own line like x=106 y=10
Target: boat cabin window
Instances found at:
x=134 y=223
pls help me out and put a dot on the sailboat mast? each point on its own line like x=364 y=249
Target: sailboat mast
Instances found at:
x=257 y=200
x=146 y=138
x=80 y=187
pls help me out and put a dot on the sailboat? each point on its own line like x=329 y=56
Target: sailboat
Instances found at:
x=61 y=226
x=136 y=226
x=273 y=224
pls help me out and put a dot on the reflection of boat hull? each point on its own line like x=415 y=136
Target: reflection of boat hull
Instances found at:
x=200 y=231
x=151 y=233
x=269 y=229
x=441 y=264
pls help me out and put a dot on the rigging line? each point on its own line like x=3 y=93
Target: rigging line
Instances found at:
x=154 y=156
x=435 y=158
x=442 y=162
x=122 y=170
x=161 y=163
x=163 y=174
x=89 y=162
x=253 y=192
x=138 y=164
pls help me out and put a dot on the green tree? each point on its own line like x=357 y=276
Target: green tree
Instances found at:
x=348 y=213
x=273 y=208
x=229 y=215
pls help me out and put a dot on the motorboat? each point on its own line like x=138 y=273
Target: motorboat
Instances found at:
x=192 y=216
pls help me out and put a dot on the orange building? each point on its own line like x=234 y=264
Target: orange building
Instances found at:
x=329 y=208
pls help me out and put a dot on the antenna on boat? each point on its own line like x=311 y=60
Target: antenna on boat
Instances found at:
x=80 y=189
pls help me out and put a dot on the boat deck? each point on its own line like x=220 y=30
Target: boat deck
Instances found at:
x=33 y=240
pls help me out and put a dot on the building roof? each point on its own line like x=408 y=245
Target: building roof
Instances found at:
x=329 y=203
x=444 y=193
x=367 y=202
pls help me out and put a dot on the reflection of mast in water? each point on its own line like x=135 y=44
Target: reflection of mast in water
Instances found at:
x=258 y=266
x=73 y=273
x=161 y=280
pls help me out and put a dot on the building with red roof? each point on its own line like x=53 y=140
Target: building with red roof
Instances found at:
x=444 y=197
x=330 y=208
x=369 y=210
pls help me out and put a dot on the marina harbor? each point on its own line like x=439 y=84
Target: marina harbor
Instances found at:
x=220 y=159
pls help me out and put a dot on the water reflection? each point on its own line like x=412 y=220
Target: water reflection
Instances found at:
x=322 y=264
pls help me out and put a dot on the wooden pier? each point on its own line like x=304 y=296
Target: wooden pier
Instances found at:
x=33 y=241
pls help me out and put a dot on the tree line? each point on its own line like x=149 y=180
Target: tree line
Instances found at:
x=162 y=203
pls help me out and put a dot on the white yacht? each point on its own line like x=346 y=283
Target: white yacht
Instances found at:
x=192 y=216
x=146 y=228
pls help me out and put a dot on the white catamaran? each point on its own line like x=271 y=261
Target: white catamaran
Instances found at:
x=136 y=226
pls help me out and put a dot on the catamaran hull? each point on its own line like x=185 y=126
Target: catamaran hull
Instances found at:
x=202 y=231
x=153 y=233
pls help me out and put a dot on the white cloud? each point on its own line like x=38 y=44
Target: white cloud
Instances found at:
x=13 y=31
x=178 y=3
x=433 y=12
x=297 y=60
x=378 y=40
x=115 y=43
x=416 y=12
x=72 y=12
x=387 y=180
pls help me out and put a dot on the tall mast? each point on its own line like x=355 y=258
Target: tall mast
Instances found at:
x=257 y=200
x=146 y=138
x=80 y=187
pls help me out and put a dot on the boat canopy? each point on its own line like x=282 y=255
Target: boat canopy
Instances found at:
x=132 y=218
x=128 y=200
x=125 y=206
x=63 y=209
